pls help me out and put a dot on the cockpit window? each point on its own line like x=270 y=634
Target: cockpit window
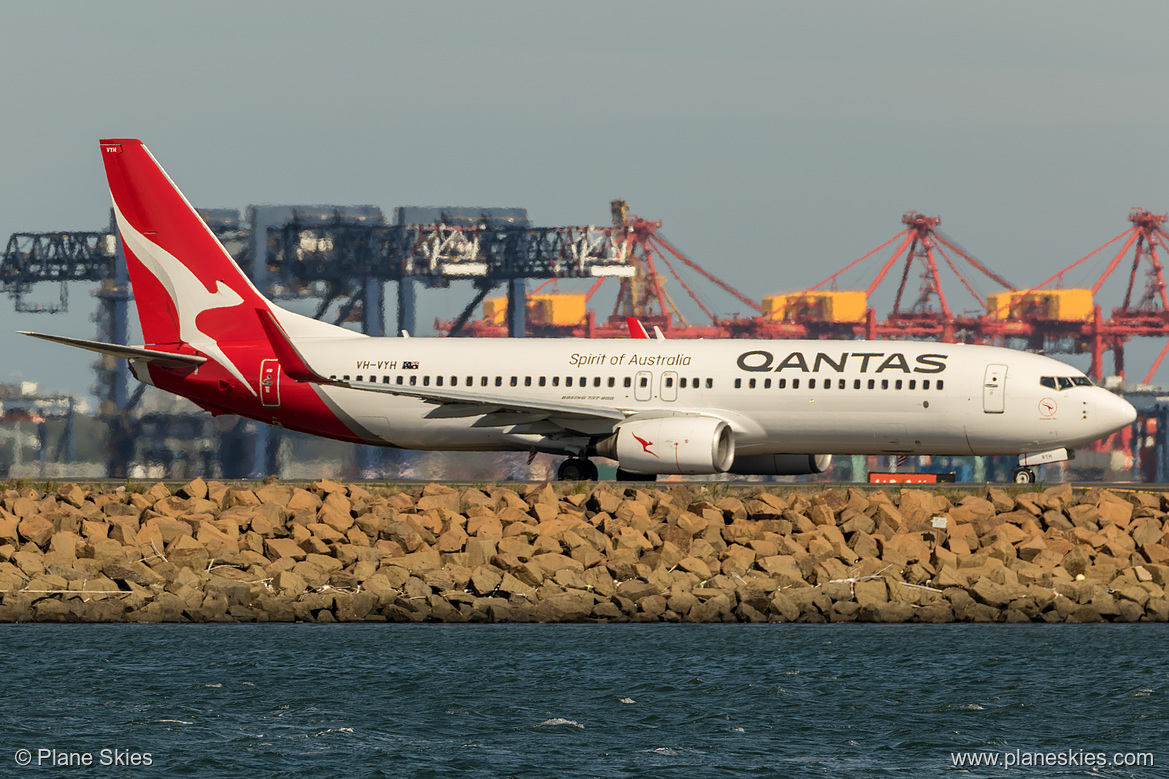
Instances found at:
x=1064 y=382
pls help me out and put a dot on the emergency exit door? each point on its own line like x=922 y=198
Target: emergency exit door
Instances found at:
x=994 y=387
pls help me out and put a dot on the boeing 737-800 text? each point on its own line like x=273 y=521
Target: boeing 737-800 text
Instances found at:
x=655 y=406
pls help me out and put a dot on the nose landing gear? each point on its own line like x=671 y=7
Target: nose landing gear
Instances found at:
x=1024 y=476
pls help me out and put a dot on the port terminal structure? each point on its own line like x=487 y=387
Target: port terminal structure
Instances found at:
x=342 y=256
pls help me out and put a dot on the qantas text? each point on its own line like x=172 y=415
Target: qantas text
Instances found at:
x=876 y=362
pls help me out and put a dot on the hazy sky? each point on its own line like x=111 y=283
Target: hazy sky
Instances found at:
x=776 y=141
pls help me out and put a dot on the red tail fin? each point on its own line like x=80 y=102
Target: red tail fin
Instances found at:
x=186 y=286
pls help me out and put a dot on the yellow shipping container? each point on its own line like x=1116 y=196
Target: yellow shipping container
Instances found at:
x=831 y=306
x=1062 y=305
x=495 y=311
x=557 y=309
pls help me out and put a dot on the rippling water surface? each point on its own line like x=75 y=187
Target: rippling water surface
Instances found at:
x=590 y=700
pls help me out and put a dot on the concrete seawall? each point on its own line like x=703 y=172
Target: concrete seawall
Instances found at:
x=207 y=552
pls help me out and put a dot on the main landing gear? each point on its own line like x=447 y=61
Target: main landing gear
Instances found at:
x=1024 y=476
x=577 y=469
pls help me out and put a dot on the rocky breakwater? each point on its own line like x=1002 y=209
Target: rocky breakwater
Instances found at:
x=207 y=552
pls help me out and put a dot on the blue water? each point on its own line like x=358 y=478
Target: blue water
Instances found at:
x=589 y=700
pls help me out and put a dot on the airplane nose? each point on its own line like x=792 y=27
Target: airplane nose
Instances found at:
x=1116 y=412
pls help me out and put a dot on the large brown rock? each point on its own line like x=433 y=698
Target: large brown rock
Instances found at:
x=35 y=528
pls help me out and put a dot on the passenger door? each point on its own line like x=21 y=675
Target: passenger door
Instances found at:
x=270 y=383
x=994 y=388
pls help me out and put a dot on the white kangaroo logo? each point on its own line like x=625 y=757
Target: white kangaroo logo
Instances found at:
x=189 y=295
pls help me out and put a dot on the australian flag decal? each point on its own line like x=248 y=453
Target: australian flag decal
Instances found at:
x=410 y=365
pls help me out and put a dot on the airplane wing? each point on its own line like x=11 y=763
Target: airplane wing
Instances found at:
x=469 y=403
x=636 y=328
x=164 y=359
x=497 y=410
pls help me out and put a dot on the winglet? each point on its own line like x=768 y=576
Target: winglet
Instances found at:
x=636 y=328
x=291 y=361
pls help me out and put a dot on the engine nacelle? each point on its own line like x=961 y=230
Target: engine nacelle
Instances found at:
x=682 y=444
x=781 y=464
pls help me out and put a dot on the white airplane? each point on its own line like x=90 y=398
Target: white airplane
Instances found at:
x=653 y=405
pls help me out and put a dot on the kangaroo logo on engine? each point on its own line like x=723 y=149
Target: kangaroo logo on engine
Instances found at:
x=865 y=362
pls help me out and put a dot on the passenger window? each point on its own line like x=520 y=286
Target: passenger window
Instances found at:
x=543 y=381
x=333 y=378
x=940 y=384
x=872 y=383
x=842 y=384
x=710 y=383
x=856 y=384
x=583 y=382
x=597 y=381
x=470 y=381
x=555 y=381
x=644 y=382
x=925 y=383
x=397 y=379
x=612 y=382
x=682 y=383
x=897 y=384
x=738 y=383
x=385 y=379
x=425 y=381
x=568 y=381
x=782 y=383
x=413 y=380
x=795 y=383
x=628 y=382
x=884 y=384
x=669 y=382
x=913 y=383
x=766 y=383
x=357 y=377
x=438 y=381
x=527 y=381
x=751 y=383
x=811 y=384
x=499 y=381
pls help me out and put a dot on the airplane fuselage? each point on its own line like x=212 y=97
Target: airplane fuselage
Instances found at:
x=827 y=397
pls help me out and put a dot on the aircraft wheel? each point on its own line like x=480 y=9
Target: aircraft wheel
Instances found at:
x=631 y=476
x=1024 y=476
x=576 y=469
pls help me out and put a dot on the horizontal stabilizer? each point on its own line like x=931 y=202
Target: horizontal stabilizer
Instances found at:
x=164 y=359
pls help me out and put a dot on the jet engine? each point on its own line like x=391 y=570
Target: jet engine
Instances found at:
x=681 y=444
x=781 y=464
